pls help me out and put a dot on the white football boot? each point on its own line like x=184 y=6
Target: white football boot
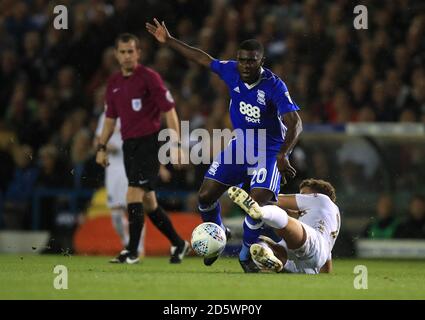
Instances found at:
x=244 y=200
x=264 y=256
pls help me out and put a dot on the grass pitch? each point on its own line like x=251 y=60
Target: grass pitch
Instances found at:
x=32 y=277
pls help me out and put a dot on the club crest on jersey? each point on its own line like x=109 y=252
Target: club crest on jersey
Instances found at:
x=261 y=97
x=136 y=104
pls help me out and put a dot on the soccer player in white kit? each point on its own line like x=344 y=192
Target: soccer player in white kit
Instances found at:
x=307 y=222
x=116 y=184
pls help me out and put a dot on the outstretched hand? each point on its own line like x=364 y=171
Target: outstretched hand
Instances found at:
x=159 y=31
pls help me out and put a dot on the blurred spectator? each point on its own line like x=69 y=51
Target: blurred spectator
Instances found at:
x=81 y=152
x=414 y=225
x=38 y=131
x=63 y=139
x=68 y=90
x=9 y=73
x=52 y=174
x=358 y=163
x=109 y=65
x=385 y=222
x=51 y=81
x=17 y=200
x=7 y=166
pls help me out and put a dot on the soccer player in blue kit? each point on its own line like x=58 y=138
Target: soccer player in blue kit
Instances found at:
x=259 y=100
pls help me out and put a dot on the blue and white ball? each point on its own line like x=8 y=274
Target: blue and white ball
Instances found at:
x=208 y=240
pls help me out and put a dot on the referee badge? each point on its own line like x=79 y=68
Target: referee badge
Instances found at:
x=136 y=104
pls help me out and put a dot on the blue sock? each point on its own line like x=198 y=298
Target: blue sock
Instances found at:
x=244 y=253
x=269 y=232
x=211 y=213
x=251 y=231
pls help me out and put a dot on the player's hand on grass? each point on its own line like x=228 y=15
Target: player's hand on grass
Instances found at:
x=102 y=158
x=285 y=168
x=159 y=31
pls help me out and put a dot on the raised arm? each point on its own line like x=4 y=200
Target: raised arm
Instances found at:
x=287 y=202
x=160 y=32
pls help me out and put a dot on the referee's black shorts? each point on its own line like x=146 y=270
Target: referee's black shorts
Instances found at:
x=141 y=161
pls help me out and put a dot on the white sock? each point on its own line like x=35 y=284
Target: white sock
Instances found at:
x=274 y=216
x=118 y=216
x=142 y=242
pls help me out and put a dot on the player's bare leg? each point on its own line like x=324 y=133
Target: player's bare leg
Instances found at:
x=161 y=221
x=209 y=207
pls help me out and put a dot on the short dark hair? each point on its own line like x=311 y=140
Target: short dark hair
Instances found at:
x=320 y=186
x=252 y=45
x=126 y=37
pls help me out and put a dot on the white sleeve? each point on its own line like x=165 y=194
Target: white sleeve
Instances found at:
x=308 y=201
x=100 y=124
x=115 y=140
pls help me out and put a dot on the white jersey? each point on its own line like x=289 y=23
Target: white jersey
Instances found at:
x=320 y=213
x=115 y=142
x=115 y=178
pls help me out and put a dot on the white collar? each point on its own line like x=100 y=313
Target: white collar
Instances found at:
x=250 y=86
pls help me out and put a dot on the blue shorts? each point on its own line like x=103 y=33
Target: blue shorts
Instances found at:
x=229 y=170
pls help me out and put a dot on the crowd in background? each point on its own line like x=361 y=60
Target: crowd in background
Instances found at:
x=52 y=82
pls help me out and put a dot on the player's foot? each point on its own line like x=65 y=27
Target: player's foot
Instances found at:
x=121 y=257
x=132 y=259
x=209 y=261
x=264 y=256
x=244 y=200
x=249 y=266
x=178 y=252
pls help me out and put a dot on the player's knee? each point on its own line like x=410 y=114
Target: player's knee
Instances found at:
x=134 y=195
x=205 y=197
x=261 y=196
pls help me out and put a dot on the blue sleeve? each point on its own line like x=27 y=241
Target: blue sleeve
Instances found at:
x=282 y=100
x=225 y=69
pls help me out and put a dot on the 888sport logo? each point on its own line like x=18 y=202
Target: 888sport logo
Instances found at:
x=251 y=113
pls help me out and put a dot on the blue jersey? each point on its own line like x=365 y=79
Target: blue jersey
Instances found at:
x=259 y=105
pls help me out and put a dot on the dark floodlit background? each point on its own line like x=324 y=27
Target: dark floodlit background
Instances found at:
x=361 y=94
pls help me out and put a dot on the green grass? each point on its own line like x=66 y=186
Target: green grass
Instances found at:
x=31 y=277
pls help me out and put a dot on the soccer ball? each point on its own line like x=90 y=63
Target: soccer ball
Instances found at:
x=208 y=240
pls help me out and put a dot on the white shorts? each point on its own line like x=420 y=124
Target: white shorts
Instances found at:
x=116 y=185
x=311 y=256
